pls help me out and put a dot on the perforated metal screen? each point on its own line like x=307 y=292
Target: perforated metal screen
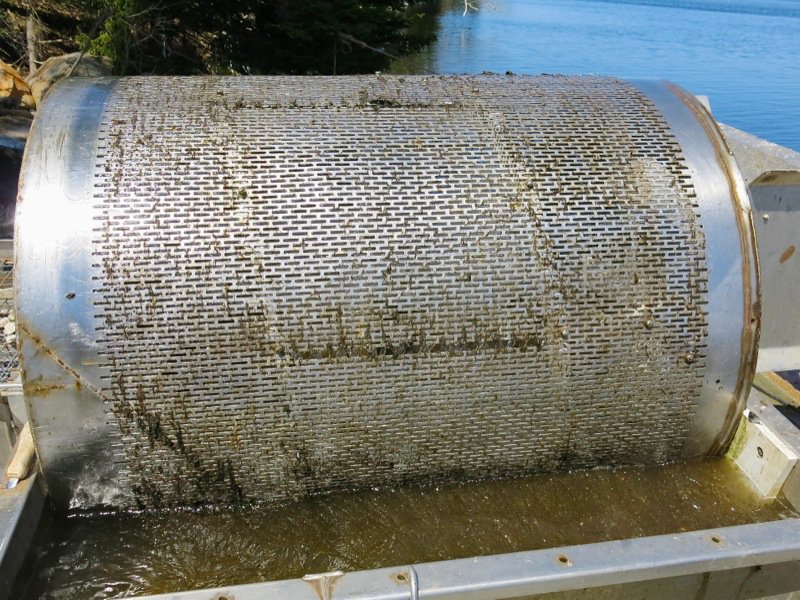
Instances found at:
x=308 y=284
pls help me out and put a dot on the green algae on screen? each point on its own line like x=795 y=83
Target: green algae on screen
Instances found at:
x=123 y=555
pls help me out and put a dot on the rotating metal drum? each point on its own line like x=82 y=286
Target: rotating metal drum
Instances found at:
x=233 y=289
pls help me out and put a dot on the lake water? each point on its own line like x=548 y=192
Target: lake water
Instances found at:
x=743 y=54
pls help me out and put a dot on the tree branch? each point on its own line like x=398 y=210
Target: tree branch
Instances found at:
x=32 y=39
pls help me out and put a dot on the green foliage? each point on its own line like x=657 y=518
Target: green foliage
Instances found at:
x=251 y=36
x=223 y=36
x=111 y=39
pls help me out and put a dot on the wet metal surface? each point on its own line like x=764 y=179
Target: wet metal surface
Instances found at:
x=272 y=287
x=389 y=281
x=733 y=316
x=123 y=555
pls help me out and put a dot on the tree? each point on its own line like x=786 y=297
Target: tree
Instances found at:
x=228 y=36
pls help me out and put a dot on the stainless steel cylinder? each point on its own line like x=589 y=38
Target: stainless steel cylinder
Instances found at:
x=255 y=288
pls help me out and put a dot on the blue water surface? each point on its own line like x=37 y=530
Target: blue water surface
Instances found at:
x=743 y=54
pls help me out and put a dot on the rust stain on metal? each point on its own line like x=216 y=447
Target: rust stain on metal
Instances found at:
x=787 y=254
x=80 y=381
x=777 y=178
x=400 y=577
x=770 y=177
x=323 y=583
x=751 y=329
x=42 y=388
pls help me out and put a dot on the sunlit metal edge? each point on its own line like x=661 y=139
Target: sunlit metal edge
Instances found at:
x=55 y=325
x=733 y=286
x=761 y=405
x=756 y=156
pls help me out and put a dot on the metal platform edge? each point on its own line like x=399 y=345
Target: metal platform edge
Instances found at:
x=743 y=553
x=20 y=511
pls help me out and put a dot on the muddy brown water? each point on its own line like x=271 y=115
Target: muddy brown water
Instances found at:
x=124 y=555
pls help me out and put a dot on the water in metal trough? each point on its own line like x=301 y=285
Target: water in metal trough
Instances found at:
x=121 y=555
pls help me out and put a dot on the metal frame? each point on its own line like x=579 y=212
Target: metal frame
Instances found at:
x=20 y=510
x=772 y=174
x=733 y=286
